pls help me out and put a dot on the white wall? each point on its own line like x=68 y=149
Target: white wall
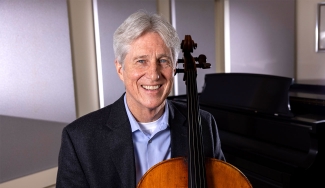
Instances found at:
x=262 y=37
x=35 y=49
x=310 y=64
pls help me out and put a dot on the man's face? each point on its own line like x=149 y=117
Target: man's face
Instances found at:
x=147 y=73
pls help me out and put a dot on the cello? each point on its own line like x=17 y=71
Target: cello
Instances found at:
x=195 y=170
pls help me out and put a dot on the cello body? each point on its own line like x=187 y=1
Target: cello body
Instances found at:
x=172 y=173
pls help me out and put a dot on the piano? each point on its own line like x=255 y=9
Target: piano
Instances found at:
x=271 y=128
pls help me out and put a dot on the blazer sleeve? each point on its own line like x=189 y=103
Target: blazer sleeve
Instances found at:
x=217 y=143
x=212 y=143
x=70 y=172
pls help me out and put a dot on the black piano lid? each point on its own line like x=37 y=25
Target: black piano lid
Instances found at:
x=307 y=99
x=309 y=89
x=258 y=93
x=309 y=86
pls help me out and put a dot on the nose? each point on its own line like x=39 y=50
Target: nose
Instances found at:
x=153 y=72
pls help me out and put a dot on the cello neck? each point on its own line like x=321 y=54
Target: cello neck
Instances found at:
x=196 y=158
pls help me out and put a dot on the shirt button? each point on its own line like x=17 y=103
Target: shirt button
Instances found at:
x=150 y=141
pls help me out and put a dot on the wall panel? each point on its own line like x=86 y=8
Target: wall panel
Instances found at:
x=262 y=36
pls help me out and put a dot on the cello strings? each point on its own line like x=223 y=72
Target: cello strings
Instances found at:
x=196 y=157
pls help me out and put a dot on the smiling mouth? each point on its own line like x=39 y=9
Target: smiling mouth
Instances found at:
x=151 y=87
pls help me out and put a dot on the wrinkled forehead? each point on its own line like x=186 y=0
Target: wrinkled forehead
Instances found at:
x=149 y=43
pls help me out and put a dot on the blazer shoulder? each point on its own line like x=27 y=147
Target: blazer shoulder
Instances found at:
x=90 y=120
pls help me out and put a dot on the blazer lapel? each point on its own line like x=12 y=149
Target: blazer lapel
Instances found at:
x=178 y=132
x=121 y=144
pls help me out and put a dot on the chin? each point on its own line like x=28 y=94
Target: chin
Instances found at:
x=154 y=104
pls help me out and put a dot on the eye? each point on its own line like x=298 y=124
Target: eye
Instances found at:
x=141 y=61
x=163 y=61
x=166 y=62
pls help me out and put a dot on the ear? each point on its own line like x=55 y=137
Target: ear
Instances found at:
x=175 y=68
x=119 y=70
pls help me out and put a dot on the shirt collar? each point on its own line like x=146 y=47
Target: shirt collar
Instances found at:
x=134 y=123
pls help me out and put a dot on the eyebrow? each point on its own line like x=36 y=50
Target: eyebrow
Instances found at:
x=146 y=56
x=140 y=57
x=164 y=55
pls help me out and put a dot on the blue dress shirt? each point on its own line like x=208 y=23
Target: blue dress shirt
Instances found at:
x=150 y=150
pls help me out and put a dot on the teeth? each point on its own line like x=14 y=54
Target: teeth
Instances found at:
x=151 y=87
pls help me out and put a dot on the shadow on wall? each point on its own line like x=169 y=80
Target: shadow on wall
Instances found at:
x=28 y=146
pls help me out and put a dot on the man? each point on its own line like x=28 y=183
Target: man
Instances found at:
x=114 y=146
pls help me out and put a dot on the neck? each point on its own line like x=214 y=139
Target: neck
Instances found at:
x=146 y=115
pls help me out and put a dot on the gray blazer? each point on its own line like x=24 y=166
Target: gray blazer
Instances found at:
x=97 y=149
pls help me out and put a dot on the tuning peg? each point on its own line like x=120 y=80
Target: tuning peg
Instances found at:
x=179 y=71
x=202 y=59
x=180 y=61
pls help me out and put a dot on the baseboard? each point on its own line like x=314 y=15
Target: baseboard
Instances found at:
x=43 y=179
